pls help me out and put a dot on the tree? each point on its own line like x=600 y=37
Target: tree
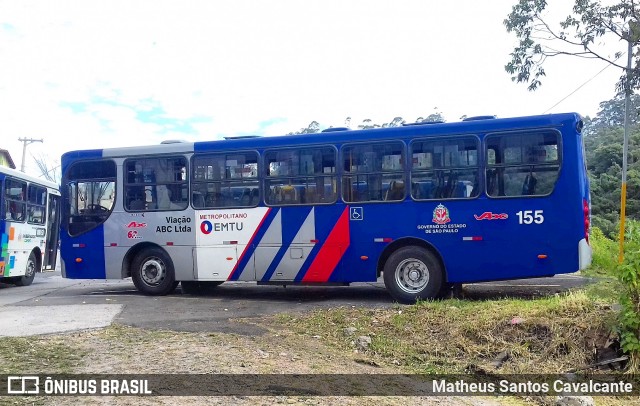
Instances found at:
x=611 y=115
x=582 y=34
x=603 y=144
x=435 y=117
x=396 y=122
x=366 y=124
x=312 y=128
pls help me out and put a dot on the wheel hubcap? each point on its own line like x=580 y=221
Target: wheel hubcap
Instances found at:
x=412 y=275
x=153 y=271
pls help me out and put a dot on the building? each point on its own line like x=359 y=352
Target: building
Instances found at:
x=5 y=159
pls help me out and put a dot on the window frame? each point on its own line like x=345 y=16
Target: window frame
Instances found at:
x=126 y=184
x=67 y=198
x=8 y=200
x=543 y=130
x=404 y=171
x=42 y=206
x=192 y=180
x=336 y=174
x=480 y=166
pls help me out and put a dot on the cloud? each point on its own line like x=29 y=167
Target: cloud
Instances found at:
x=101 y=74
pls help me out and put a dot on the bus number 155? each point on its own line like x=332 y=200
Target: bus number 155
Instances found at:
x=530 y=216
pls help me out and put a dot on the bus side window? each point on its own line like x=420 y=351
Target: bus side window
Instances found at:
x=522 y=164
x=15 y=200
x=371 y=170
x=224 y=180
x=299 y=176
x=445 y=168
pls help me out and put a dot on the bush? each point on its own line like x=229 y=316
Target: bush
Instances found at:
x=629 y=275
x=605 y=252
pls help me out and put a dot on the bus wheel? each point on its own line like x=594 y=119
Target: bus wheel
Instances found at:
x=152 y=272
x=199 y=287
x=412 y=273
x=29 y=273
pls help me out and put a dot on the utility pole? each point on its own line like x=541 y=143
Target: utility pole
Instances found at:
x=25 y=142
x=625 y=143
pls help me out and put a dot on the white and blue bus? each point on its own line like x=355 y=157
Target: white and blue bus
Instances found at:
x=29 y=226
x=424 y=206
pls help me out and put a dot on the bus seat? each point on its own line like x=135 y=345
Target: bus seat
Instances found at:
x=439 y=190
x=198 y=200
x=474 y=189
x=460 y=190
x=164 y=197
x=491 y=181
x=395 y=191
x=288 y=194
x=529 y=185
x=213 y=199
x=424 y=190
x=255 y=197
x=245 y=199
x=137 y=204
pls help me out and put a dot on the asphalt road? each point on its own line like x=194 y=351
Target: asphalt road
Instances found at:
x=53 y=304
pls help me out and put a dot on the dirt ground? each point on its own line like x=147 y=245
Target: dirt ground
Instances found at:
x=126 y=350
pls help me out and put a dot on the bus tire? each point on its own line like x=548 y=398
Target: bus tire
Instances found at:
x=153 y=273
x=29 y=273
x=413 y=273
x=199 y=287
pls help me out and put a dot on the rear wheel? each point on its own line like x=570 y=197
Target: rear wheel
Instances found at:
x=153 y=273
x=29 y=272
x=413 y=273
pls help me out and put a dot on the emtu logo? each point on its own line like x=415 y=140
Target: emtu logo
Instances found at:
x=206 y=227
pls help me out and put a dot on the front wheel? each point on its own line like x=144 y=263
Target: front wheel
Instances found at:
x=29 y=272
x=413 y=273
x=153 y=273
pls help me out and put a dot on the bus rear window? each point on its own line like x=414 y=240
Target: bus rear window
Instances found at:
x=90 y=195
x=522 y=164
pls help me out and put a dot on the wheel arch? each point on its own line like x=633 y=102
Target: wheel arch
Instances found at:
x=131 y=254
x=38 y=254
x=406 y=242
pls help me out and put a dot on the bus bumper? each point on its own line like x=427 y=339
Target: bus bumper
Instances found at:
x=584 y=254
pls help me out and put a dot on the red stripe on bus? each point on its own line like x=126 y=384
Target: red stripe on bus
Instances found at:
x=235 y=267
x=331 y=251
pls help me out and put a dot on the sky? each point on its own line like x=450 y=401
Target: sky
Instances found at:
x=96 y=74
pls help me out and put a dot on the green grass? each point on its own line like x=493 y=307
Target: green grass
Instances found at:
x=547 y=335
x=605 y=254
x=38 y=355
x=552 y=334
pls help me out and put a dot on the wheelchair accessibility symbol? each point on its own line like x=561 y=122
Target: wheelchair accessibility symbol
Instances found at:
x=356 y=213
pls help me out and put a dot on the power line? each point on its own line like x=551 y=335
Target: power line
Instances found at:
x=581 y=86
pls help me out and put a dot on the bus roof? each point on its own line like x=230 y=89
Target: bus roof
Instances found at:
x=484 y=125
x=32 y=179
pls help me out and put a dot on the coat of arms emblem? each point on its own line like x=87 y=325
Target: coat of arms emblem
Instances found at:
x=441 y=215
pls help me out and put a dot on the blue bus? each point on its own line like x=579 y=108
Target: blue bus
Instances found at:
x=424 y=206
x=29 y=226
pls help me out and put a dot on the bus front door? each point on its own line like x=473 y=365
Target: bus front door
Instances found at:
x=53 y=227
